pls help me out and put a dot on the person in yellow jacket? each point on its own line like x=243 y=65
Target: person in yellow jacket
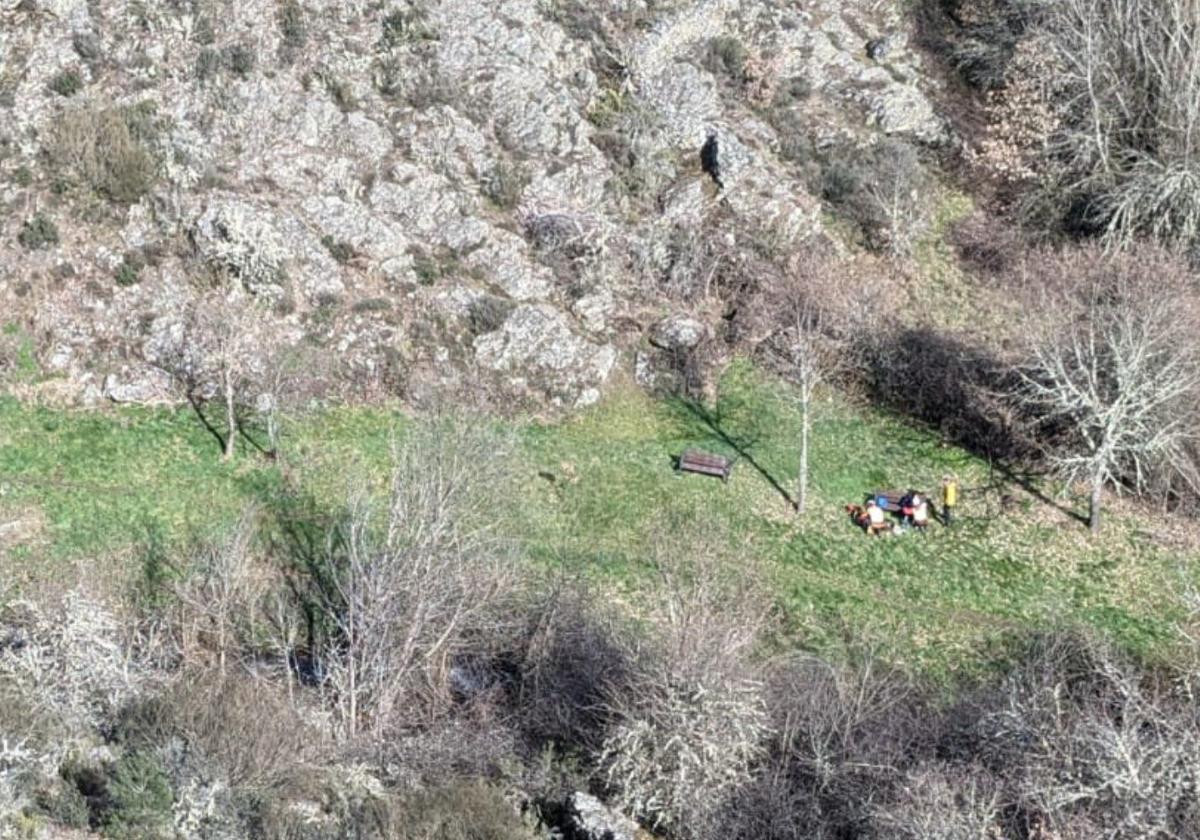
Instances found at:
x=949 y=498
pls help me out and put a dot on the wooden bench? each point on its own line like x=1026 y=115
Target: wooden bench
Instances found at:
x=889 y=500
x=705 y=463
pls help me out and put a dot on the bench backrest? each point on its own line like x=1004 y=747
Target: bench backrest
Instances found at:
x=693 y=460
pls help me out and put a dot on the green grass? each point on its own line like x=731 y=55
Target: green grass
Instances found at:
x=597 y=496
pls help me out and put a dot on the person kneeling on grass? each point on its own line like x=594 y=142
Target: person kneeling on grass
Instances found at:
x=920 y=516
x=876 y=523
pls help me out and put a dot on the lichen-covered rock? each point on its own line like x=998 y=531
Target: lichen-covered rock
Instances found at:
x=373 y=186
x=590 y=819
x=537 y=350
x=677 y=333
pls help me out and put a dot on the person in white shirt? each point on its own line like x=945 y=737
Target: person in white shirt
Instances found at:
x=920 y=512
x=876 y=522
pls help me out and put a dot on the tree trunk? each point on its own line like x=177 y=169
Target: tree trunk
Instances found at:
x=230 y=417
x=1094 y=504
x=802 y=481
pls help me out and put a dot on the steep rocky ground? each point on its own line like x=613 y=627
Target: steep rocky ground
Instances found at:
x=444 y=196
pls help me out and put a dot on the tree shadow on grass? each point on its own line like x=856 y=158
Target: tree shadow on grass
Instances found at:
x=717 y=424
x=956 y=388
x=1027 y=480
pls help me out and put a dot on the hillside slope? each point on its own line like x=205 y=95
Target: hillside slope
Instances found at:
x=439 y=196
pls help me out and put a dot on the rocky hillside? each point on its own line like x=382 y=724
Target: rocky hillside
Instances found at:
x=435 y=196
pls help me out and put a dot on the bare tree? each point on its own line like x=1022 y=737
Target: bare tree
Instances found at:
x=408 y=578
x=288 y=376
x=1113 y=367
x=943 y=802
x=222 y=590
x=215 y=353
x=896 y=196
x=1092 y=747
x=801 y=336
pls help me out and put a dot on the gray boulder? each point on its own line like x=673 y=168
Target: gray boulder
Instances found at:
x=538 y=351
x=677 y=333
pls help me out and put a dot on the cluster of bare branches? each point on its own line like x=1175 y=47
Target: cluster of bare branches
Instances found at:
x=223 y=350
x=1129 y=137
x=1113 y=369
x=406 y=582
x=692 y=722
x=1095 y=106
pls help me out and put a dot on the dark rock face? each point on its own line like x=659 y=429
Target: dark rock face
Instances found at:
x=880 y=48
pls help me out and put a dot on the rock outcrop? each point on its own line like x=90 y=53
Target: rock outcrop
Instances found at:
x=369 y=177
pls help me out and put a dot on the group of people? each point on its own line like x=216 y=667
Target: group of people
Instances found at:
x=914 y=509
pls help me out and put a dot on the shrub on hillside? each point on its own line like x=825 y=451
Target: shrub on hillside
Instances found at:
x=884 y=190
x=38 y=234
x=678 y=750
x=574 y=654
x=67 y=83
x=293 y=28
x=137 y=799
x=245 y=727
x=989 y=32
x=110 y=149
x=726 y=55
x=129 y=271
x=403 y=588
x=239 y=59
x=407 y=25
x=504 y=184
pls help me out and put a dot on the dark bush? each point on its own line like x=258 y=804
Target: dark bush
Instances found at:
x=130 y=270
x=340 y=92
x=67 y=83
x=341 y=251
x=292 y=26
x=504 y=184
x=378 y=304
x=239 y=59
x=204 y=33
x=985 y=34
x=726 y=55
x=88 y=47
x=841 y=180
x=433 y=266
x=405 y=26
x=208 y=64
x=139 y=798
x=109 y=149
x=488 y=313
x=38 y=234
x=574 y=651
